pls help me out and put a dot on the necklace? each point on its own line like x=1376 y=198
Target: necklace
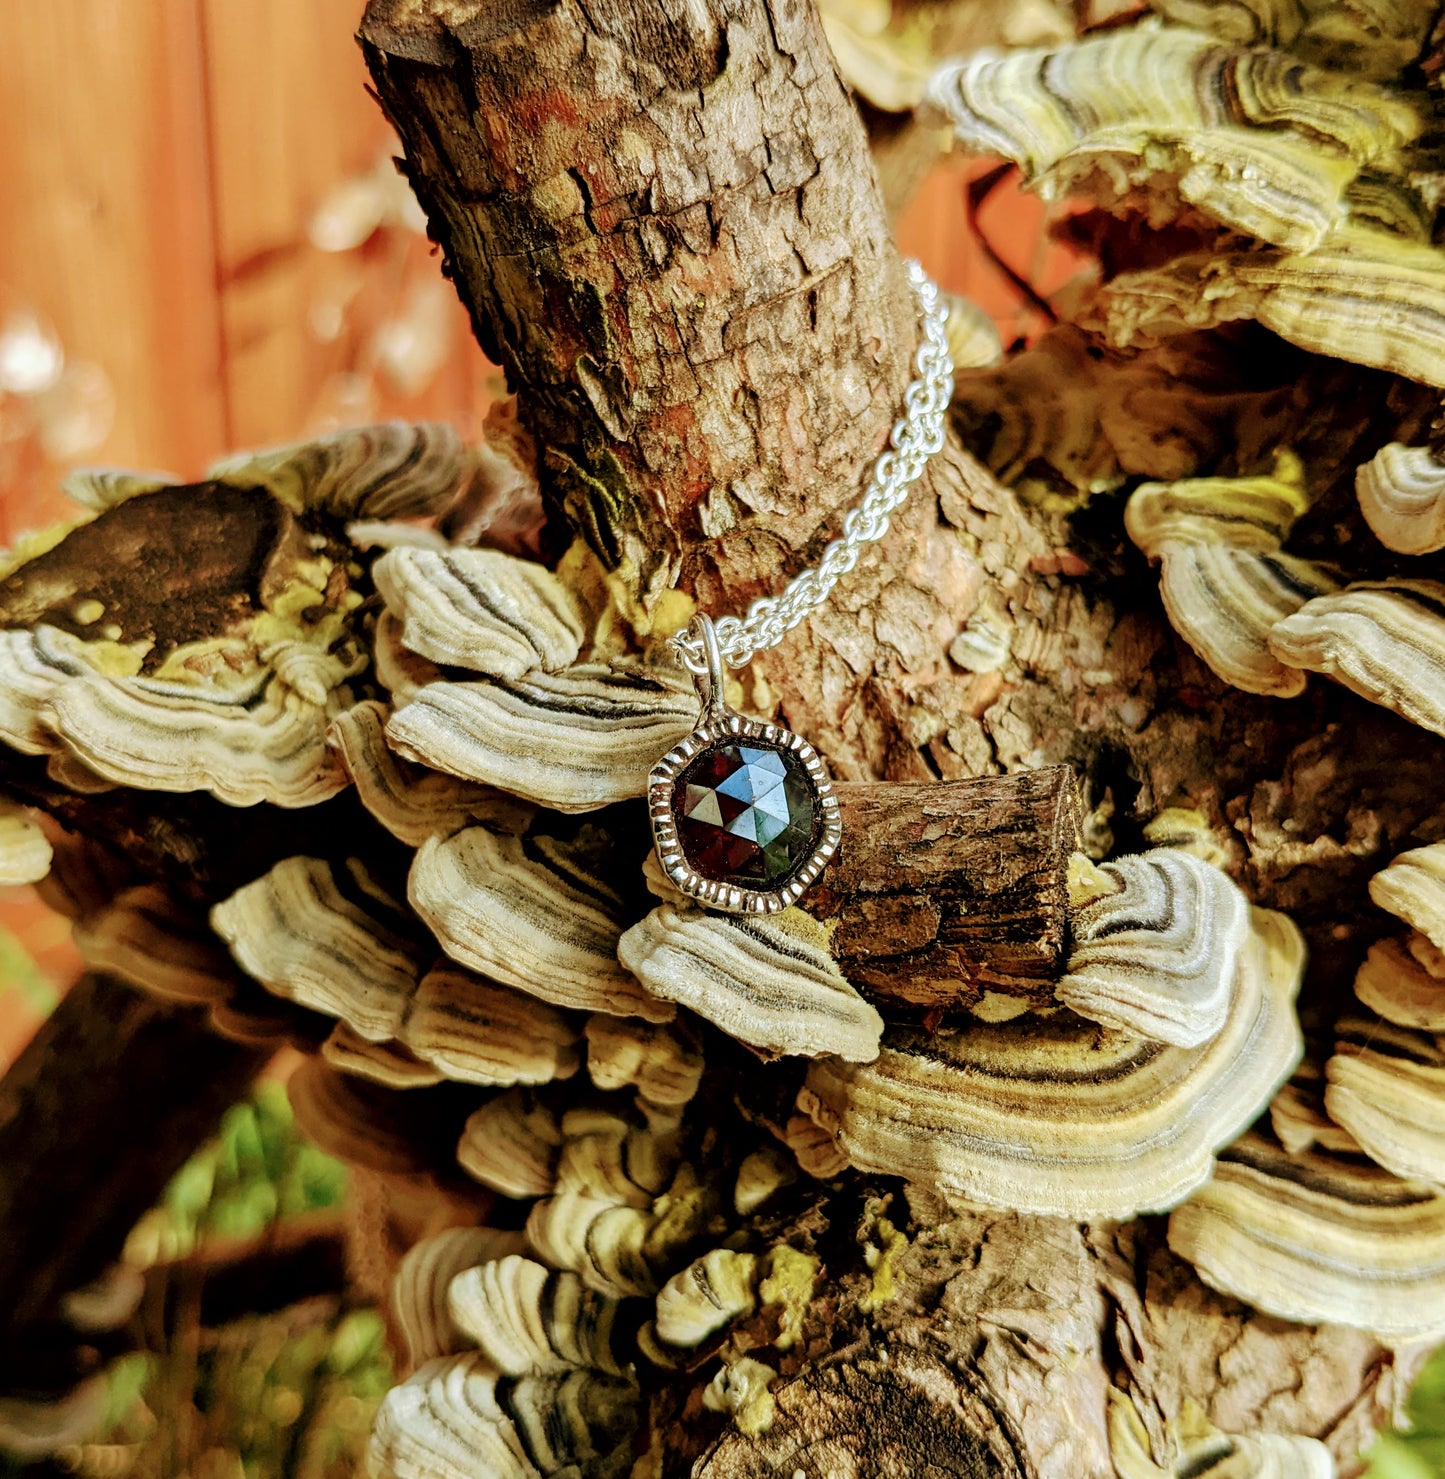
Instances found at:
x=743 y=813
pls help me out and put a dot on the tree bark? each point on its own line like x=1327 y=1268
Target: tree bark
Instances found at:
x=665 y=225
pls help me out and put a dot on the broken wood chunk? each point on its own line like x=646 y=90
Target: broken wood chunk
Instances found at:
x=946 y=890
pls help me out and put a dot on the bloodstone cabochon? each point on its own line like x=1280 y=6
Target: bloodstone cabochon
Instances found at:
x=746 y=813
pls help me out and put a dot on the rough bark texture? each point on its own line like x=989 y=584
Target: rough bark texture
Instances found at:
x=85 y=1149
x=941 y=892
x=664 y=222
x=665 y=225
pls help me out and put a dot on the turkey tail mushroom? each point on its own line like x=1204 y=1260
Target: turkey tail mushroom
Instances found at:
x=1319 y=1238
x=1402 y=496
x=1158 y=957
x=1058 y=1116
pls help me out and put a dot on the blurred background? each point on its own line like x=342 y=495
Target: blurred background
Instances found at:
x=204 y=246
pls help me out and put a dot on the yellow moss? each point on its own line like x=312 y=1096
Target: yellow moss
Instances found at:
x=741 y=1388
x=115 y=659
x=789 y=1284
x=1087 y=882
x=36 y=543
x=1184 y=827
x=881 y=1252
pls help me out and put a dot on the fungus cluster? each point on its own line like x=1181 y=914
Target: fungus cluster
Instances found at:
x=606 y=1129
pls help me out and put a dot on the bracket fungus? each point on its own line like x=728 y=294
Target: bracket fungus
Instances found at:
x=388 y=470
x=1402 y=496
x=1318 y=1237
x=25 y=850
x=1199 y=1450
x=1386 y=1088
x=1223 y=578
x=770 y=983
x=537 y=913
x=1412 y=887
x=411 y=802
x=1159 y=117
x=1381 y=639
x=600 y=727
x=1397 y=985
x=217 y=667
x=332 y=939
x=419 y=1294
x=663 y=1063
x=458 y=1417
x=528 y=1319
x=1059 y=1116
x=481 y=610
x=1158 y=957
x=328 y=937
x=512 y=1144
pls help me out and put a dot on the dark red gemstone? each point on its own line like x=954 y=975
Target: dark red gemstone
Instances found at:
x=746 y=814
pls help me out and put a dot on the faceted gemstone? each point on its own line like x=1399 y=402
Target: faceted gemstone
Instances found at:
x=745 y=814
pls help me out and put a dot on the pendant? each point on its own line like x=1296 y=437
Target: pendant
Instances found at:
x=743 y=813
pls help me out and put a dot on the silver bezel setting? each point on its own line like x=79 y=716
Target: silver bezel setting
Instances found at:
x=730 y=896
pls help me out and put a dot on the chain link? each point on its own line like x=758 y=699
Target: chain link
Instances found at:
x=915 y=437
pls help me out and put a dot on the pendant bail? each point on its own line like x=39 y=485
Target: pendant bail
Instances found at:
x=707 y=676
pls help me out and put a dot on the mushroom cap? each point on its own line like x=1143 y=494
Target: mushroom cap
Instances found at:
x=1402 y=496
x=1158 y=957
x=1255 y=139
x=1412 y=887
x=391 y=470
x=329 y=937
x=211 y=662
x=767 y=982
x=1381 y=639
x=418 y=1294
x=1386 y=1087
x=1318 y=1238
x=663 y=1063
x=1225 y=602
x=528 y=1319
x=575 y=740
x=482 y=610
x=512 y=1144
x=1251 y=513
x=532 y=914
x=411 y=802
x=1055 y=1115
x=458 y=1418
x=25 y=850
x=1394 y=983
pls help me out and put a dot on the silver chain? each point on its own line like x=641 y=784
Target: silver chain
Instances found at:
x=916 y=436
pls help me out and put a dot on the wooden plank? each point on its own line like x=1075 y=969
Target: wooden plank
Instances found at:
x=107 y=231
x=945 y=890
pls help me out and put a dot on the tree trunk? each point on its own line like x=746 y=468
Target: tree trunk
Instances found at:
x=664 y=221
